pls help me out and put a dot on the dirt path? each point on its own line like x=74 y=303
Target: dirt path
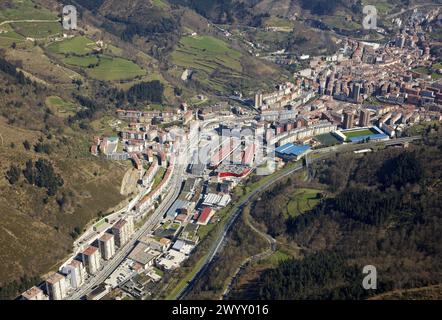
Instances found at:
x=14 y=21
x=257 y=257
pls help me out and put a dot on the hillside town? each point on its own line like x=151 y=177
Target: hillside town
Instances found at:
x=190 y=159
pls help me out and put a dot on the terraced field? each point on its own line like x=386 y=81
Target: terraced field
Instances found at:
x=303 y=200
x=26 y=10
x=81 y=61
x=114 y=69
x=206 y=53
x=9 y=37
x=100 y=66
x=60 y=107
x=37 y=29
x=76 y=45
x=215 y=63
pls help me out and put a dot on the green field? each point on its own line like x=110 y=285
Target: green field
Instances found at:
x=382 y=6
x=206 y=53
x=77 y=45
x=276 y=258
x=113 y=69
x=81 y=61
x=279 y=23
x=216 y=65
x=359 y=133
x=60 y=107
x=303 y=200
x=8 y=38
x=327 y=139
x=37 y=29
x=428 y=72
x=160 y=4
x=26 y=10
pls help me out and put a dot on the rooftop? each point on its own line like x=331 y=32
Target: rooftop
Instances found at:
x=55 y=278
x=143 y=254
x=90 y=250
x=106 y=237
x=75 y=263
x=32 y=293
x=120 y=224
x=292 y=149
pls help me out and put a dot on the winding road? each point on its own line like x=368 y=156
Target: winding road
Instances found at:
x=323 y=153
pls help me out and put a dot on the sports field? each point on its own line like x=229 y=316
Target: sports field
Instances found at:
x=359 y=133
x=327 y=139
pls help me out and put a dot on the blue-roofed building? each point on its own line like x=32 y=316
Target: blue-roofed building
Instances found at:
x=177 y=205
x=291 y=151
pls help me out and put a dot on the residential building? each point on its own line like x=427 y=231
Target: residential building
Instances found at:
x=91 y=259
x=56 y=286
x=348 y=120
x=364 y=118
x=107 y=246
x=75 y=273
x=34 y=294
x=122 y=231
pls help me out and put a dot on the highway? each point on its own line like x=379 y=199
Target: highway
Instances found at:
x=170 y=197
x=121 y=254
x=325 y=152
x=217 y=245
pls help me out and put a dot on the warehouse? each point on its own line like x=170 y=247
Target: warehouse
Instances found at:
x=292 y=151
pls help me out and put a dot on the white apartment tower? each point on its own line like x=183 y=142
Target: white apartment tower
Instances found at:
x=123 y=230
x=91 y=259
x=75 y=273
x=56 y=286
x=107 y=246
x=34 y=294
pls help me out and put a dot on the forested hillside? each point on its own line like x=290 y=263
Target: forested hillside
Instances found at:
x=50 y=186
x=384 y=210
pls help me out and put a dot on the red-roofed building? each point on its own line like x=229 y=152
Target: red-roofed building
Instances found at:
x=205 y=216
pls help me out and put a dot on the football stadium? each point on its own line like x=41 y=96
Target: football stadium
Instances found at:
x=361 y=134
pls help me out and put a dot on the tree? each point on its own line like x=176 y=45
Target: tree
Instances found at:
x=27 y=145
x=46 y=177
x=29 y=172
x=13 y=174
x=151 y=91
x=405 y=168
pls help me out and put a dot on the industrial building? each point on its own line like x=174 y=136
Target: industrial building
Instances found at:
x=292 y=151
